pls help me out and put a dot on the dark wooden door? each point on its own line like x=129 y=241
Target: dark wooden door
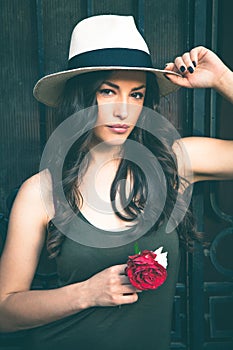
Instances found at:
x=34 y=41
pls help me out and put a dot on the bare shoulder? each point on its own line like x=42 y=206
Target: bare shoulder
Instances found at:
x=28 y=220
x=37 y=191
x=34 y=182
x=25 y=237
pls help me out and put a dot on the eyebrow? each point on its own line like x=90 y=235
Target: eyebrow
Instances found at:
x=115 y=86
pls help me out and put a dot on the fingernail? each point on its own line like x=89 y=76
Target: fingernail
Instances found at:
x=182 y=69
x=166 y=77
x=190 y=69
x=194 y=63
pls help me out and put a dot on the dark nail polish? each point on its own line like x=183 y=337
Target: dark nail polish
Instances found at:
x=182 y=69
x=190 y=69
x=194 y=64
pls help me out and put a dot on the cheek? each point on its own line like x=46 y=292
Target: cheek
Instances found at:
x=135 y=112
x=104 y=113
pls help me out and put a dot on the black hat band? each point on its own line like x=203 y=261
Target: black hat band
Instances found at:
x=118 y=57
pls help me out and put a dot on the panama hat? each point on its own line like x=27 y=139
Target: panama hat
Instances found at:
x=103 y=42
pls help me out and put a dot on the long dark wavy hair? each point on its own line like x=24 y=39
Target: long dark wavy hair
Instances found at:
x=79 y=94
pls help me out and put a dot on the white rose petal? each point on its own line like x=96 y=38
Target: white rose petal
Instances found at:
x=161 y=258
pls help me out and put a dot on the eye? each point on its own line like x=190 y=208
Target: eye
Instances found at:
x=137 y=95
x=106 y=92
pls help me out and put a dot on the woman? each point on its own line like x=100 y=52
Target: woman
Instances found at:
x=111 y=79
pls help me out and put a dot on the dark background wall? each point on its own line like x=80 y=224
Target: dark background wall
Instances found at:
x=34 y=36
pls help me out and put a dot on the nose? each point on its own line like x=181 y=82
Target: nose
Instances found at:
x=121 y=110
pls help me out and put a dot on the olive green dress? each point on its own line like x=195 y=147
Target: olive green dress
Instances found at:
x=145 y=324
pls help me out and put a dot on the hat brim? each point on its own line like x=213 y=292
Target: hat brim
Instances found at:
x=49 y=88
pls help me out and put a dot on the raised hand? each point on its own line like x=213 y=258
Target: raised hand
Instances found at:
x=199 y=68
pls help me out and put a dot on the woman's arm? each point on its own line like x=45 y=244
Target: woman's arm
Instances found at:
x=22 y=308
x=202 y=68
x=203 y=158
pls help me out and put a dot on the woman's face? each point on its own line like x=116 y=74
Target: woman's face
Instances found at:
x=120 y=100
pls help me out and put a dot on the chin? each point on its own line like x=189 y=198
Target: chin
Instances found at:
x=111 y=140
x=115 y=142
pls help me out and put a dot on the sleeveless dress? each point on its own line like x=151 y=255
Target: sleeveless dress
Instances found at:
x=145 y=324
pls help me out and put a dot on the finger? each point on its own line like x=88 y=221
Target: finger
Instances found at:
x=170 y=66
x=128 y=289
x=194 y=57
x=188 y=62
x=124 y=279
x=118 y=269
x=122 y=268
x=128 y=298
x=178 y=79
x=197 y=53
x=184 y=63
x=180 y=65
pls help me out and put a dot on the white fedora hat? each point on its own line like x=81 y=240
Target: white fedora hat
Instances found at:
x=103 y=42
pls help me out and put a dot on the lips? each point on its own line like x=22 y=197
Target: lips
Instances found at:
x=118 y=128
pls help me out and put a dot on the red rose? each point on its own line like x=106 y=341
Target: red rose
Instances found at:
x=144 y=271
